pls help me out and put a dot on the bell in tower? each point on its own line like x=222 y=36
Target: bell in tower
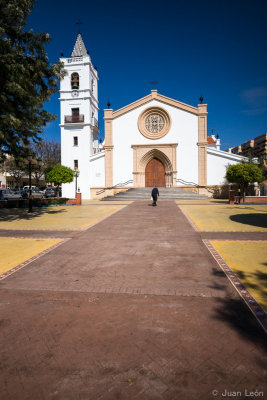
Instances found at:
x=75 y=81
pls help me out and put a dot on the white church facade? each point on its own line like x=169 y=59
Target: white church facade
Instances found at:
x=155 y=141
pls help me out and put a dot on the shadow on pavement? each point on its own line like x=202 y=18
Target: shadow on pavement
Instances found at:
x=15 y=214
x=236 y=314
x=218 y=285
x=256 y=219
x=219 y=202
x=256 y=280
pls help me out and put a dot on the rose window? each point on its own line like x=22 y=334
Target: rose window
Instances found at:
x=154 y=123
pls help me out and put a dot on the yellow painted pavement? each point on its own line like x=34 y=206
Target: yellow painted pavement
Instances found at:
x=248 y=259
x=56 y=218
x=228 y=217
x=14 y=251
x=204 y=201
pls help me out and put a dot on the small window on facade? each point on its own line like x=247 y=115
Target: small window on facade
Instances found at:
x=75 y=112
x=75 y=164
x=92 y=85
x=75 y=81
x=75 y=141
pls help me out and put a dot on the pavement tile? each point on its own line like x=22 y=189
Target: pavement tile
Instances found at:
x=190 y=335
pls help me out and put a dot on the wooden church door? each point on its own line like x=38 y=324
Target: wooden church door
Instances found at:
x=155 y=173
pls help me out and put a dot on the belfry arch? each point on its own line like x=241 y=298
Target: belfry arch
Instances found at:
x=144 y=154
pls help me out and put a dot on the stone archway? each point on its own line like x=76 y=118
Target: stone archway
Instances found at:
x=164 y=153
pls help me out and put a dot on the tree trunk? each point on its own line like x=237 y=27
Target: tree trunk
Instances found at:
x=244 y=193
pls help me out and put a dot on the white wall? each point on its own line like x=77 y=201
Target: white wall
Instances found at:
x=87 y=103
x=217 y=163
x=184 y=131
x=69 y=153
x=97 y=170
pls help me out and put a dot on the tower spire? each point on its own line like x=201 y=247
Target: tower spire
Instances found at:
x=79 y=48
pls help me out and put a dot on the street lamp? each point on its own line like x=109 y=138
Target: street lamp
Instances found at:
x=39 y=164
x=76 y=175
x=30 y=183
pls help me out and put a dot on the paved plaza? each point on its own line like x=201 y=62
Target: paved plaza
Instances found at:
x=128 y=301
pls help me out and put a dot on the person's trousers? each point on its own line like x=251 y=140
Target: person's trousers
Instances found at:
x=154 y=200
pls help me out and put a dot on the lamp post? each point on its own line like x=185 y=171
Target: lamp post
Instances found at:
x=30 y=183
x=39 y=163
x=76 y=175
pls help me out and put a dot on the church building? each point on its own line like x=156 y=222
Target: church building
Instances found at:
x=154 y=141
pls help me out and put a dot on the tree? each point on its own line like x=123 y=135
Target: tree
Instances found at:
x=243 y=174
x=17 y=168
x=48 y=151
x=37 y=170
x=27 y=79
x=59 y=174
x=263 y=167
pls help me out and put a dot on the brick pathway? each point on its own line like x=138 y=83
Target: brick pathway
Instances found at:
x=133 y=308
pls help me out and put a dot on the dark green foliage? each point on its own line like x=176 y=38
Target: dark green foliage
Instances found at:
x=27 y=79
x=59 y=174
x=243 y=174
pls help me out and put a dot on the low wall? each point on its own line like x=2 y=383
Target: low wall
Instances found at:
x=77 y=201
x=214 y=191
x=194 y=189
x=251 y=199
x=71 y=201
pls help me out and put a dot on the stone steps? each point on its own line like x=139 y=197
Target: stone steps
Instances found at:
x=134 y=194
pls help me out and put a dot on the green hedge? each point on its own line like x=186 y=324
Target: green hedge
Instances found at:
x=35 y=202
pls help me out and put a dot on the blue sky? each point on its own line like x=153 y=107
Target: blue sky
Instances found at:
x=208 y=47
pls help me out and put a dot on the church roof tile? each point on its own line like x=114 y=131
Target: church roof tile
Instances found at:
x=210 y=140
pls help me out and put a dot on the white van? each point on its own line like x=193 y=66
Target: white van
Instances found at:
x=28 y=187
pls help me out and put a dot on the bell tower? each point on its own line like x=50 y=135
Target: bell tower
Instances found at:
x=79 y=118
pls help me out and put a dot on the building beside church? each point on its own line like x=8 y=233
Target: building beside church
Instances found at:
x=256 y=147
x=154 y=141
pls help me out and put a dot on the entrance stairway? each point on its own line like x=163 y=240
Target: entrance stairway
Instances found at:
x=173 y=193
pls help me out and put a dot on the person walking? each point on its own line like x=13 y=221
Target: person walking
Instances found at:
x=154 y=194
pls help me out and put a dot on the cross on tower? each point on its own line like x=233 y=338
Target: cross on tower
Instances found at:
x=154 y=83
x=79 y=23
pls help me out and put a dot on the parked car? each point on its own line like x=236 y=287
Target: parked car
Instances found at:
x=36 y=194
x=50 y=192
x=42 y=189
x=9 y=194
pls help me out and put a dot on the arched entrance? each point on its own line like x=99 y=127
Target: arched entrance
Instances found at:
x=165 y=153
x=155 y=173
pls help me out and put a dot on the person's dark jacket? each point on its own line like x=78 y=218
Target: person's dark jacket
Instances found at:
x=155 y=192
